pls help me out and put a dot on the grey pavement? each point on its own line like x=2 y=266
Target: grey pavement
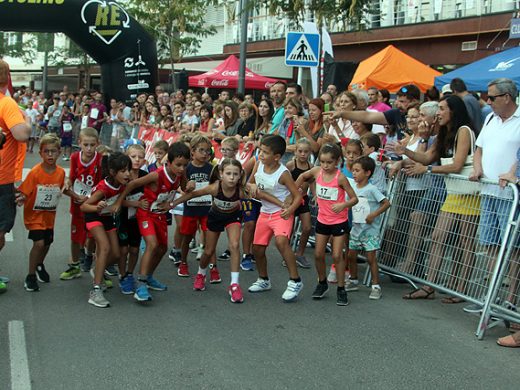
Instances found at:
x=200 y=340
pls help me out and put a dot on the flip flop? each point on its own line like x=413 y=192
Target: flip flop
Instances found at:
x=452 y=300
x=429 y=294
x=509 y=341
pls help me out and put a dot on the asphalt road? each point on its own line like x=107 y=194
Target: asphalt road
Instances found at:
x=199 y=340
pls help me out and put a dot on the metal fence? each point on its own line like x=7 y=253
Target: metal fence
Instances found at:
x=455 y=236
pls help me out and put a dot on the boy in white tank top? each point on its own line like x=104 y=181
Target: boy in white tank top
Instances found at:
x=270 y=176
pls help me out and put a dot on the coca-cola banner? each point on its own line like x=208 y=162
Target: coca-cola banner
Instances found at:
x=103 y=29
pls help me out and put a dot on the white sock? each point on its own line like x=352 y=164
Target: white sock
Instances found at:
x=234 y=277
x=376 y=286
x=203 y=271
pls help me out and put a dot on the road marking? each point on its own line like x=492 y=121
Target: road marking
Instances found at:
x=20 y=378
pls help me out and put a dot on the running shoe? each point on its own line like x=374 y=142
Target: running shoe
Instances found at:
x=107 y=282
x=200 y=282
x=3 y=287
x=142 y=294
x=183 y=270
x=341 y=298
x=303 y=262
x=375 y=293
x=97 y=298
x=111 y=270
x=332 y=275
x=87 y=263
x=154 y=284
x=351 y=286
x=72 y=272
x=246 y=264
x=260 y=285
x=226 y=255
x=31 y=283
x=235 y=292
x=320 y=291
x=127 y=284
x=292 y=291
x=175 y=256
x=214 y=275
x=42 y=274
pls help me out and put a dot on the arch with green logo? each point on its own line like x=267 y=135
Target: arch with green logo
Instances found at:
x=103 y=29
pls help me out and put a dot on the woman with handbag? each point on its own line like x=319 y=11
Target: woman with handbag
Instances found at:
x=460 y=211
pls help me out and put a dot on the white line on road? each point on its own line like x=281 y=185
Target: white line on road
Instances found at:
x=20 y=378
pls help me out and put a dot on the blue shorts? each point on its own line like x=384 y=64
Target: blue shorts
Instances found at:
x=494 y=215
x=250 y=210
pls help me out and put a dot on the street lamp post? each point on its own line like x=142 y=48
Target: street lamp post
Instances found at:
x=243 y=47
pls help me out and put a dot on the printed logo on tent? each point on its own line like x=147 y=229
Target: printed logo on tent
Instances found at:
x=109 y=22
x=302 y=49
x=504 y=65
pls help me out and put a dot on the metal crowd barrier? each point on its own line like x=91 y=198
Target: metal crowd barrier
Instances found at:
x=434 y=235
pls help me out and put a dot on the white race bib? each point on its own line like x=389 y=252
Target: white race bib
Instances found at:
x=201 y=200
x=110 y=202
x=47 y=198
x=132 y=210
x=84 y=122
x=360 y=211
x=326 y=193
x=94 y=113
x=265 y=183
x=161 y=198
x=67 y=127
x=81 y=188
x=224 y=205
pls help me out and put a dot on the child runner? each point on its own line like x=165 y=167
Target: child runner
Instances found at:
x=331 y=186
x=84 y=173
x=127 y=226
x=352 y=151
x=159 y=189
x=196 y=210
x=371 y=145
x=273 y=178
x=41 y=191
x=297 y=166
x=99 y=211
x=366 y=224
x=160 y=149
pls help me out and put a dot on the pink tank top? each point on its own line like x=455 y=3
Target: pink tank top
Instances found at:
x=328 y=194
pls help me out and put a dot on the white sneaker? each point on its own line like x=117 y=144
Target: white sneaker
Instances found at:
x=351 y=286
x=200 y=251
x=375 y=293
x=260 y=285
x=292 y=290
x=97 y=298
x=332 y=275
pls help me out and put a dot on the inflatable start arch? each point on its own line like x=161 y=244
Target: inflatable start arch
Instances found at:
x=103 y=29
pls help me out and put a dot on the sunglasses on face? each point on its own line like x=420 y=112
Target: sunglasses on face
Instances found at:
x=493 y=98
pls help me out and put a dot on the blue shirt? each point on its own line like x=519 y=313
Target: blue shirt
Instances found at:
x=277 y=119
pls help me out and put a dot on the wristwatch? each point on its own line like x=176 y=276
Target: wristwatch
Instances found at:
x=429 y=169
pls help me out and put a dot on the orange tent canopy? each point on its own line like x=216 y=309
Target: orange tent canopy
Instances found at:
x=391 y=69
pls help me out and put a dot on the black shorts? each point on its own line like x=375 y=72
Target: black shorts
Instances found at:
x=217 y=221
x=332 y=230
x=129 y=234
x=93 y=219
x=46 y=235
x=7 y=207
x=304 y=208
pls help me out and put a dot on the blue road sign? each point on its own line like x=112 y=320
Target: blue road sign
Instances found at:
x=302 y=49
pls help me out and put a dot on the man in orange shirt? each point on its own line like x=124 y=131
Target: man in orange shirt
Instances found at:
x=15 y=129
x=41 y=192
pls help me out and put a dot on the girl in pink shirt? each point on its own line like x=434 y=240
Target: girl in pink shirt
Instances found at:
x=331 y=190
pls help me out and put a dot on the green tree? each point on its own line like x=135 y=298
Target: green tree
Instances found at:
x=178 y=26
x=21 y=45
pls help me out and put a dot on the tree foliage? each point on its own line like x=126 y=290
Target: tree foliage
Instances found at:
x=24 y=47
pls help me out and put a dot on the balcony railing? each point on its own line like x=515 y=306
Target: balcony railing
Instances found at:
x=384 y=13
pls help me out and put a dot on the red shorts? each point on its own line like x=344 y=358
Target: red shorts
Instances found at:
x=269 y=225
x=78 y=231
x=189 y=224
x=151 y=224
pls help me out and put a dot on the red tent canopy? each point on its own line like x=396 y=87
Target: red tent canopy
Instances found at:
x=226 y=76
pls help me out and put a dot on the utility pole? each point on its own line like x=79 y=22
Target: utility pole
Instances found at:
x=243 y=47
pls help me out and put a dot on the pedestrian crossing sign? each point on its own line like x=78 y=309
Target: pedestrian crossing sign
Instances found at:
x=302 y=49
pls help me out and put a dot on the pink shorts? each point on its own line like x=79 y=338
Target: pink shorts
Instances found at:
x=269 y=225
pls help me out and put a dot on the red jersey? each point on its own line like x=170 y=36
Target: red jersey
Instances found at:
x=110 y=193
x=165 y=191
x=83 y=176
